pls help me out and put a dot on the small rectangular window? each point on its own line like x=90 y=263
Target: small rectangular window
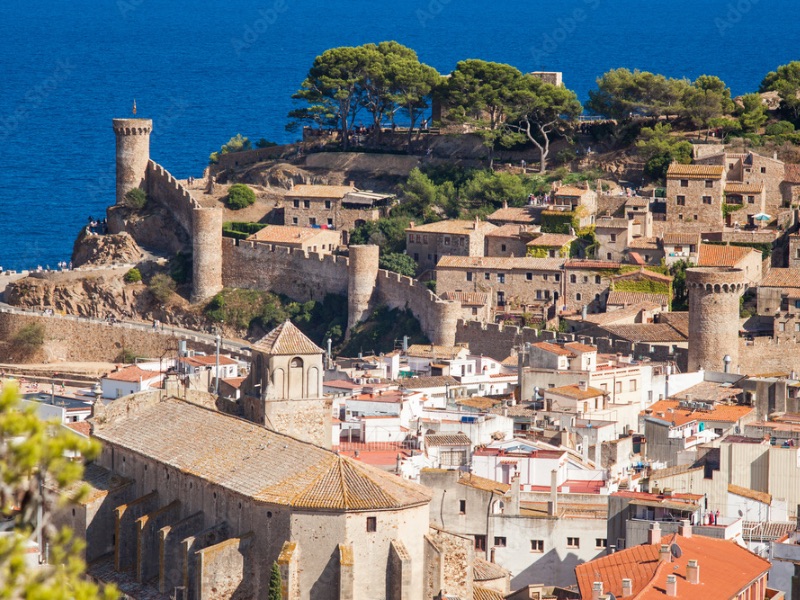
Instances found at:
x=544 y=277
x=600 y=543
x=306 y=204
x=487 y=276
x=573 y=279
x=537 y=546
x=462 y=506
x=578 y=297
x=500 y=541
x=446 y=240
x=763 y=169
x=707 y=200
x=709 y=183
x=573 y=542
x=501 y=278
x=684 y=183
x=469 y=276
x=613 y=237
x=372 y=524
x=529 y=276
x=681 y=200
x=598 y=279
x=330 y=222
x=296 y=203
x=327 y=203
x=294 y=220
x=751 y=199
x=502 y=247
x=557 y=277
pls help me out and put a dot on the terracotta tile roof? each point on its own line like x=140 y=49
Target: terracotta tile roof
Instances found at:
x=646 y=332
x=481 y=483
x=523 y=263
x=483 y=593
x=671 y=411
x=762 y=497
x=454 y=226
x=253 y=461
x=623 y=314
x=578 y=347
x=478 y=402
x=744 y=188
x=507 y=231
x=680 y=239
x=643 y=243
x=132 y=374
x=677 y=320
x=552 y=348
x=611 y=223
x=447 y=439
x=711 y=255
x=785 y=278
x=288 y=234
x=342 y=384
x=81 y=427
x=646 y=274
x=726 y=569
x=515 y=215
x=286 y=339
x=571 y=191
x=467 y=298
x=628 y=298
x=99 y=480
x=483 y=570
x=433 y=351
x=637 y=201
x=770 y=531
x=574 y=391
x=551 y=240
x=710 y=391
x=319 y=191
x=677 y=171
x=419 y=383
x=580 y=263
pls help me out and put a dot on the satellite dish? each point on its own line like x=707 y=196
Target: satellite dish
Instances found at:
x=676 y=550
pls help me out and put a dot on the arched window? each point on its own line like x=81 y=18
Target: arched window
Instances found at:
x=297 y=363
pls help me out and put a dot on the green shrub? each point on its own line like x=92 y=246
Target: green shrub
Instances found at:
x=133 y=276
x=29 y=338
x=240 y=196
x=136 y=199
x=237 y=143
x=240 y=230
x=180 y=268
x=399 y=263
x=162 y=287
x=779 y=128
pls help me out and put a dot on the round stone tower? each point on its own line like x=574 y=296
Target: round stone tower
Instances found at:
x=133 y=153
x=714 y=316
x=362 y=276
x=206 y=253
x=445 y=316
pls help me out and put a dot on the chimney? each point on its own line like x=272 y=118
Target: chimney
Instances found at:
x=627 y=587
x=411 y=224
x=664 y=554
x=693 y=572
x=685 y=529
x=583 y=386
x=552 y=506
x=505 y=203
x=654 y=535
x=672 y=586
x=475 y=226
x=775 y=155
x=597 y=590
x=586 y=185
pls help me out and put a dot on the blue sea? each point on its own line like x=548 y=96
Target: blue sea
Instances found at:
x=205 y=70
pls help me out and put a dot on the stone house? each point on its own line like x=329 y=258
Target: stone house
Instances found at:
x=752 y=174
x=695 y=195
x=208 y=509
x=680 y=246
x=588 y=283
x=510 y=240
x=475 y=306
x=308 y=239
x=570 y=198
x=512 y=215
x=339 y=207
x=507 y=280
x=579 y=399
x=426 y=244
x=778 y=292
x=618 y=239
x=740 y=257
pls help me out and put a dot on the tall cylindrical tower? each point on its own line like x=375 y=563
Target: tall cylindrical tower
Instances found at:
x=362 y=276
x=133 y=153
x=445 y=320
x=206 y=253
x=714 y=316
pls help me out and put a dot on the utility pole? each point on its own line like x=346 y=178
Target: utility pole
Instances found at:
x=216 y=378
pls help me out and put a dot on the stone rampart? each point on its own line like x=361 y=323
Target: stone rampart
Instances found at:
x=251 y=157
x=296 y=273
x=75 y=339
x=162 y=187
x=497 y=341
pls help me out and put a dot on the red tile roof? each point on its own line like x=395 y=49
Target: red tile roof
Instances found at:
x=286 y=339
x=727 y=413
x=726 y=569
x=132 y=374
x=712 y=255
x=574 y=391
x=552 y=348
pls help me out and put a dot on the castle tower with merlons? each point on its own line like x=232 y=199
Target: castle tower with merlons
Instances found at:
x=714 y=317
x=133 y=154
